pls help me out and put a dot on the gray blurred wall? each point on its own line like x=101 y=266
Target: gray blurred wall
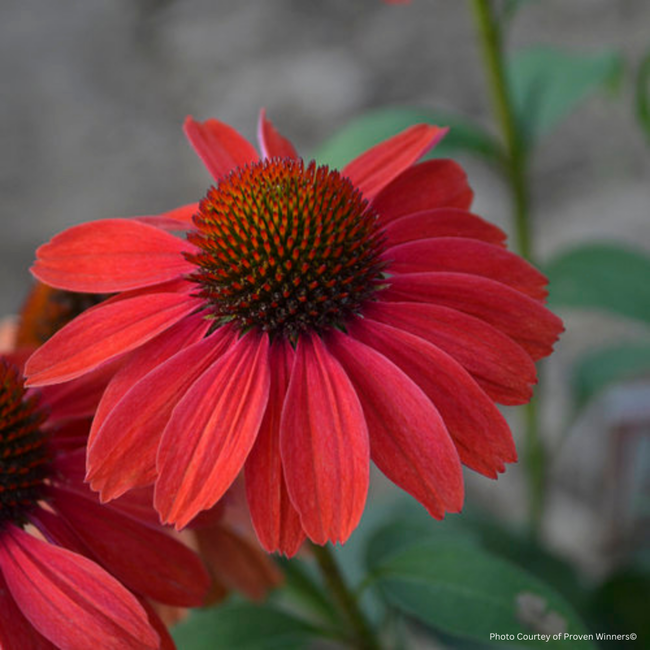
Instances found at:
x=94 y=93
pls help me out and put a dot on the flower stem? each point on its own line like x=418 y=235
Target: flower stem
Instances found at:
x=516 y=166
x=364 y=637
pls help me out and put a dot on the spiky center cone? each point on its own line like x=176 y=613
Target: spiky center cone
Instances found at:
x=24 y=455
x=286 y=248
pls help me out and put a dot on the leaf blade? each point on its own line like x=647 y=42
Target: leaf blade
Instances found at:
x=376 y=126
x=243 y=626
x=464 y=591
x=608 y=277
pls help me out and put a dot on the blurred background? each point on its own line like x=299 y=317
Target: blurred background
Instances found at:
x=94 y=94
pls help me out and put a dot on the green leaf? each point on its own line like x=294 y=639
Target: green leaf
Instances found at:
x=643 y=95
x=608 y=277
x=402 y=533
x=599 y=369
x=372 y=128
x=620 y=604
x=243 y=626
x=461 y=590
x=547 y=84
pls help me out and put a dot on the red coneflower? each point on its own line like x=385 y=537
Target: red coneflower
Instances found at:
x=79 y=581
x=311 y=320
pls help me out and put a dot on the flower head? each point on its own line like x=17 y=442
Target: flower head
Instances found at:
x=311 y=320
x=74 y=573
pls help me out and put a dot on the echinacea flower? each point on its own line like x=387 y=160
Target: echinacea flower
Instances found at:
x=311 y=320
x=75 y=574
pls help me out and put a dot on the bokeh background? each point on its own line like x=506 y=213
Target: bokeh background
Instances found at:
x=94 y=93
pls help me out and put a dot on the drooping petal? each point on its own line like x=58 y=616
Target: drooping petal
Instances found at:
x=103 y=333
x=122 y=451
x=69 y=599
x=409 y=441
x=377 y=167
x=462 y=255
x=478 y=430
x=212 y=430
x=523 y=319
x=166 y=640
x=111 y=255
x=219 y=146
x=276 y=521
x=145 y=559
x=272 y=143
x=78 y=398
x=431 y=184
x=237 y=562
x=16 y=632
x=178 y=219
x=500 y=366
x=324 y=444
x=442 y=222
x=57 y=531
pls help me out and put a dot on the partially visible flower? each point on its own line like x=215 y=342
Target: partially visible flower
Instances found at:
x=74 y=573
x=311 y=320
x=223 y=537
x=46 y=310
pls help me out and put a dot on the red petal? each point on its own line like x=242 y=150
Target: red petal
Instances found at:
x=276 y=521
x=374 y=169
x=122 y=451
x=69 y=599
x=111 y=255
x=523 y=319
x=432 y=184
x=146 y=358
x=324 y=443
x=212 y=430
x=236 y=562
x=408 y=439
x=177 y=219
x=146 y=559
x=501 y=367
x=16 y=632
x=219 y=146
x=78 y=398
x=102 y=333
x=57 y=531
x=166 y=640
x=461 y=255
x=479 y=431
x=443 y=222
x=272 y=143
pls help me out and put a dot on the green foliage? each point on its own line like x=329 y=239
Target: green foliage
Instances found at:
x=547 y=84
x=373 y=127
x=643 y=95
x=462 y=590
x=608 y=277
x=620 y=604
x=604 y=367
x=243 y=626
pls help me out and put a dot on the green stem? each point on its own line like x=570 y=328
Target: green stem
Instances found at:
x=363 y=635
x=516 y=170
